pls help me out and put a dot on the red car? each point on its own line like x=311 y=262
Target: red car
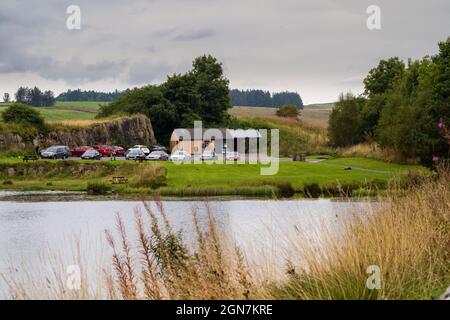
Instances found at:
x=79 y=151
x=106 y=151
x=120 y=152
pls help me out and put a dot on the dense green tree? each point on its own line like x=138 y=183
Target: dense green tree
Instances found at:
x=200 y=94
x=260 y=98
x=402 y=107
x=23 y=114
x=91 y=95
x=288 y=110
x=211 y=88
x=382 y=78
x=22 y=95
x=35 y=97
x=48 y=98
x=6 y=97
x=344 y=127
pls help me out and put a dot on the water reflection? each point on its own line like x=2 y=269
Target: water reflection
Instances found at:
x=29 y=231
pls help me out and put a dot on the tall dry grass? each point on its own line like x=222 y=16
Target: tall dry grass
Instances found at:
x=407 y=236
x=165 y=267
x=374 y=151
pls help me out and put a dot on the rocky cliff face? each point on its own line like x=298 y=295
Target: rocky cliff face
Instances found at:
x=125 y=131
x=13 y=141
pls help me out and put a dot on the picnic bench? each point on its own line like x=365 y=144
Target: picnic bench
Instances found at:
x=119 y=180
x=30 y=158
x=299 y=157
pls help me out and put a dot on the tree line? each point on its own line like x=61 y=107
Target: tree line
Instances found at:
x=405 y=107
x=254 y=97
x=199 y=94
x=90 y=95
x=260 y=98
x=33 y=97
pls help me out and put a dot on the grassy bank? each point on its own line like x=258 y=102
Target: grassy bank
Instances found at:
x=405 y=239
x=191 y=180
x=66 y=110
x=95 y=177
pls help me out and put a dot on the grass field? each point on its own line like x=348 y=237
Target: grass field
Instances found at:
x=228 y=179
x=66 y=110
x=318 y=106
x=87 y=105
x=297 y=173
x=315 y=114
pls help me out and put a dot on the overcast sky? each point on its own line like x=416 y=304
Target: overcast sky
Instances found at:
x=318 y=48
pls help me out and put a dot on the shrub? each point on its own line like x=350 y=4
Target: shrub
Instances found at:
x=98 y=188
x=27 y=132
x=218 y=191
x=409 y=180
x=150 y=176
x=341 y=189
x=22 y=114
x=285 y=189
x=288 y=110
x=312 y=190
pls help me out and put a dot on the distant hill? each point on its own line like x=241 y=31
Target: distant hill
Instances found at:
x=314 y=114
x=316 y=106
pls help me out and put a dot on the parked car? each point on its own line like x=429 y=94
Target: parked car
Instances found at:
x=158 y=147
x=143 y=148
x=135 y=154
x=104 y=150
x=208 y=155
x=119 y=151
x=233 y=156
x=79 y=151
x=91 y=154
x=180 y=156
x=56 y=152
x=158 y=155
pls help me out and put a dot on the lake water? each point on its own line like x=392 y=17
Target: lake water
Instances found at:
x=35 y=234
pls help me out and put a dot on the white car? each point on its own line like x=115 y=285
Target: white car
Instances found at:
x=180 y=156
x=208 y=155
x=144 y=149
x=233 y=156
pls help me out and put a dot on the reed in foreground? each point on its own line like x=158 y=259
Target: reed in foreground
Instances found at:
x=405 y=238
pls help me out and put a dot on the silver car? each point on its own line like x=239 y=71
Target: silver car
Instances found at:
x=158 y=155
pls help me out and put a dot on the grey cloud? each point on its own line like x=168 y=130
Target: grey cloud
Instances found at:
x=148 y=72
x=75 y=71
x=195 y=35
x=319 y=48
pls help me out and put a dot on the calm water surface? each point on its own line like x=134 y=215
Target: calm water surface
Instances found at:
x=33 y=234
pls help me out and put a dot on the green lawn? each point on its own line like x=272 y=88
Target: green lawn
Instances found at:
x=370 y=164
x=229 y=177
x=67 y=110
x=87 y=105
x=298 y=173
x=60 y=114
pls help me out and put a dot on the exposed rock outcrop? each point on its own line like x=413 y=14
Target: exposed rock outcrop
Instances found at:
x=124 y=131
x=13 y=141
